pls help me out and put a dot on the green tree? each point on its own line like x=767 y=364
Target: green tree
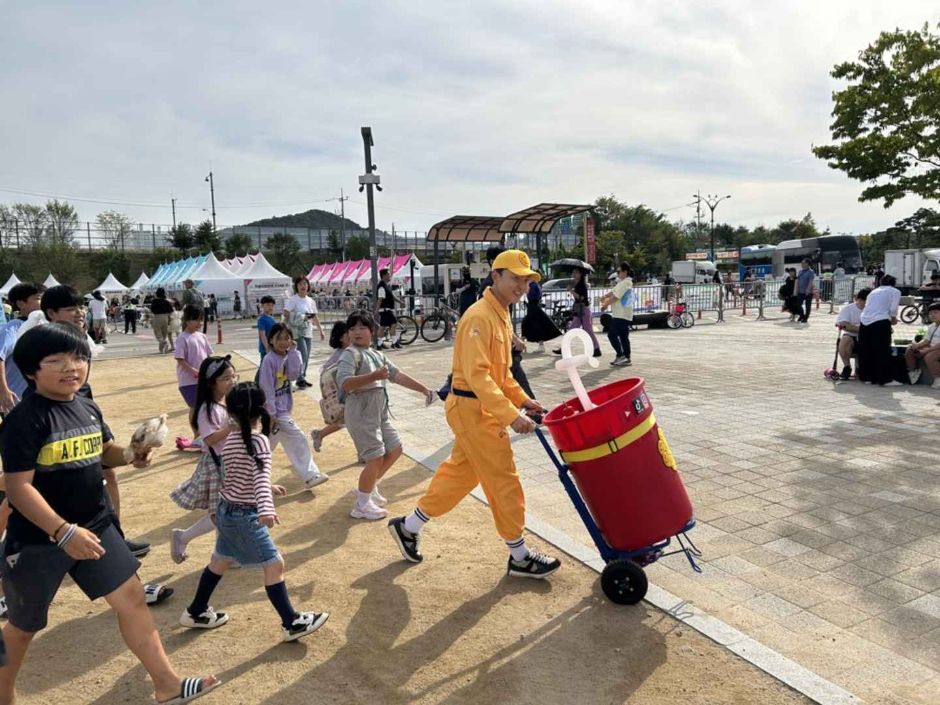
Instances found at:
x=181 y=237
x=206 y=238
x=63 y=221
x=31 y=222
x=357 y=247
x=283 y=250
x=922 y=229
x=887 y=120
x=114 y=227
x=238 y=244
x=333 y=244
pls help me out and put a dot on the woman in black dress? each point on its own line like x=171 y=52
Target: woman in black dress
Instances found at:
x=537 y=327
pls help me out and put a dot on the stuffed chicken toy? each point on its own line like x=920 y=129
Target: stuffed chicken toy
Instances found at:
x=150 y=434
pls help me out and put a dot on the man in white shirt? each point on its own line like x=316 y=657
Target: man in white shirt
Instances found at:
x=849 y=322
x=621 y=300
x=874 y=336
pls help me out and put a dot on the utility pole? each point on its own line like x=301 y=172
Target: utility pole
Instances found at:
x=712 y=203
x=366 y=182
x=342 y=220
x=212 y=193
x=173 y=206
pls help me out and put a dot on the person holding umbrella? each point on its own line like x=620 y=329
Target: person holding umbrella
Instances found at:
x=581 y=311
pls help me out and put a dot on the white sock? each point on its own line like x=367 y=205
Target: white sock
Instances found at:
x=362 y=498
x=375 y=492
x=415 y=521
x=203 y=526
x=518 y=549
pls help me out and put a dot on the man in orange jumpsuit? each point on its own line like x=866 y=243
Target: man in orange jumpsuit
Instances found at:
x=483 y=401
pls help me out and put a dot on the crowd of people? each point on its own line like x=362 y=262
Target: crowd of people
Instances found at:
x=62 y=506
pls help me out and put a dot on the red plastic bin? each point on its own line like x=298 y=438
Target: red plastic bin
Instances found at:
x=622 y=465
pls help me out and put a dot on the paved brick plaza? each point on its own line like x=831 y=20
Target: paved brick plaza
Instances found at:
x=818 y=504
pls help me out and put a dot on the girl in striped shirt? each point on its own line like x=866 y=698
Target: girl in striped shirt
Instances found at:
x=245 y=515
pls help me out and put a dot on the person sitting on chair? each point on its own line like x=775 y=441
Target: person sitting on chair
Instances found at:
x=849 y=321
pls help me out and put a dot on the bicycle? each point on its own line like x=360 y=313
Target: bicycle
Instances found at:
x=910 y=313
x=680 y=317
x=438 y=322
x=407 y=329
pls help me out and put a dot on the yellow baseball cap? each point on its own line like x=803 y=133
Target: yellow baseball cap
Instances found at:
x=517 y=262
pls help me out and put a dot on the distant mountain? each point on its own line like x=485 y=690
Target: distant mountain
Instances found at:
x=313 y=218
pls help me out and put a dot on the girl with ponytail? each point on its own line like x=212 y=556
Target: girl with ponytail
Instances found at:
x=245 y=516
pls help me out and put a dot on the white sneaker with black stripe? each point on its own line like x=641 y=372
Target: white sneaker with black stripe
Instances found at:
x=305 y=623
x=535 y=565
x=210 y=619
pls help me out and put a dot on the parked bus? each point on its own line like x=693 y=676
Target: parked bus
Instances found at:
x=825 y=253
x=756 y=258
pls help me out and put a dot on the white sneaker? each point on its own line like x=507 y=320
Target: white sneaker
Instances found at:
x=317 y=479
x=210 y=619
x=936 y=384
x=369 y=511
x=378 y=499
x=914 y=375
x=305 y=623
x=893 y=383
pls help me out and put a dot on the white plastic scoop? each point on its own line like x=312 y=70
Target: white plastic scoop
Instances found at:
x=570 y=363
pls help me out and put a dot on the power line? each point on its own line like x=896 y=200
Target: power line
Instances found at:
x=115 y=202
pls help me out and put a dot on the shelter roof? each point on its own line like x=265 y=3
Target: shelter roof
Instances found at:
x=540 y=218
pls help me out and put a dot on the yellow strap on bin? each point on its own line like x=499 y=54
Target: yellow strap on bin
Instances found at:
x=611 y=447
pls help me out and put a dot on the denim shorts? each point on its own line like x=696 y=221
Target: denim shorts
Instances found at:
x=242 y=538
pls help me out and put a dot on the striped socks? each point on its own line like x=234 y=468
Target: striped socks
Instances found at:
x=415 y=521
x=518 y=549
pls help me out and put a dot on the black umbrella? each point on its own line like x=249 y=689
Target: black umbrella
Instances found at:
x=569 y=263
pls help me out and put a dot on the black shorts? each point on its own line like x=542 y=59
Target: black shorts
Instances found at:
x=387 y=318
x=31 y=577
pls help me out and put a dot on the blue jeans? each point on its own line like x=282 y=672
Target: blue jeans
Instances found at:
x=303 y=347
x=619 y=336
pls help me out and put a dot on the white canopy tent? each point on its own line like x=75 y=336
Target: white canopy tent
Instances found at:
x=11 y=282
x=261 y=279
x=140 y=283
x=213 y=278
x=111 y=285
x=50 y=281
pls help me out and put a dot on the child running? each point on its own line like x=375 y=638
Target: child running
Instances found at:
x=360 y=380
x=339 y=341
x=281 y=366
x=209 y=420
x=246 y=513
x=53 y=445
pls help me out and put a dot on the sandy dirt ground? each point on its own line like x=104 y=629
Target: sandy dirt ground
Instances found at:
x=454 y=629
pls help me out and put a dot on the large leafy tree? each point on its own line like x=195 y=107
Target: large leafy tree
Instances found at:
x=114 y=227
x=886 y=123
x=63 y=221
x=357 y=247
x=238 y=244
x=283 y=250
x=181 y=237
x=206 y=237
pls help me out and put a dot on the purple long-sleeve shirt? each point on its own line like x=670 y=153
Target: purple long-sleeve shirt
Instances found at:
x=277 y=372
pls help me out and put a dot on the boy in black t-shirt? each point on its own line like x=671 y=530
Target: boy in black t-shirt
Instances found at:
x=53 y=445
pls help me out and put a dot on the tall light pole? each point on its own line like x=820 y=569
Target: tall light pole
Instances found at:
x=212 y=194
x=173 y=206
x=712 y=203
x=367 y=181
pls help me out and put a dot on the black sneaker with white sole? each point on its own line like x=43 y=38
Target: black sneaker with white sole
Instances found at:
x=407 y=543
x=305 y=623
x=535 y=565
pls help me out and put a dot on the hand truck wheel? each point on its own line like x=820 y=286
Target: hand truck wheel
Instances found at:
x=624 y=582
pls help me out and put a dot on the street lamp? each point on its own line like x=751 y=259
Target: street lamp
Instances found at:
x=712 y=203
x=212 y=193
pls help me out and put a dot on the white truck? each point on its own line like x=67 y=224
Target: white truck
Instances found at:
x=912 y=268
x=693 y=271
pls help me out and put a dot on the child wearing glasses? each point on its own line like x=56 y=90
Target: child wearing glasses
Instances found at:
x=53 y=446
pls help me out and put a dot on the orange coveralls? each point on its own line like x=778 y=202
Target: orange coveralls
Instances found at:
x=481 y=453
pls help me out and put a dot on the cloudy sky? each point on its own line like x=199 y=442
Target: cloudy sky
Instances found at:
x=477 y=107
